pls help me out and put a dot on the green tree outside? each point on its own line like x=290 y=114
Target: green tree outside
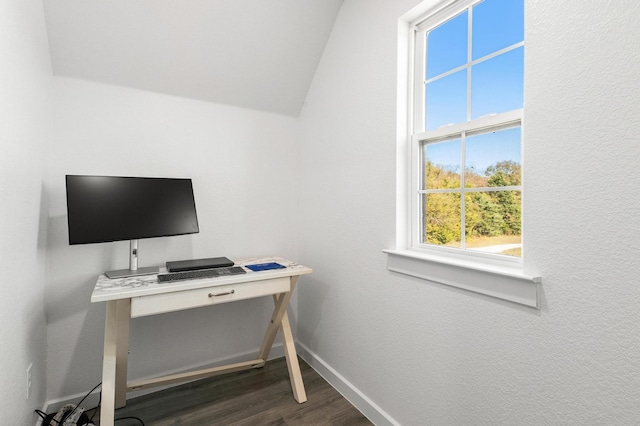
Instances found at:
x=487 y=213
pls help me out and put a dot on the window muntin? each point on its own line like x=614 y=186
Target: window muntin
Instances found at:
x=468 y=110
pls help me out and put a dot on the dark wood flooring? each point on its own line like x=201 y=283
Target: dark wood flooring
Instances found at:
x=253 y=397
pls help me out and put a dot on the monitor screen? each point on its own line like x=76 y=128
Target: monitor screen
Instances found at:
x=114 y=208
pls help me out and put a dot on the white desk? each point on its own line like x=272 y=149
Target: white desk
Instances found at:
x=143 y=295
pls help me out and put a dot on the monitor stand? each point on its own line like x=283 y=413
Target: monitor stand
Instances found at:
x=133 y=270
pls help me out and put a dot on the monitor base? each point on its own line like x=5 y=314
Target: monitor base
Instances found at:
x=123 y=273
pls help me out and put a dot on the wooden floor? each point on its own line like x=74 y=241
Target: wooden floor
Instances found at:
x=253 y=397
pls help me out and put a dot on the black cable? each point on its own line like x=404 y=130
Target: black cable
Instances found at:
x=87 y=395
x=131 y=417
x=81 y=401
x=96 y=407
x=44 y=415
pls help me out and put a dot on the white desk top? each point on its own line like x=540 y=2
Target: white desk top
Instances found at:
x=143 y=285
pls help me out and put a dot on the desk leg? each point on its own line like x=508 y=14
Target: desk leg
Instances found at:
x=280 y=320
x=295 y=376
x=114 y=366
x=122 y=351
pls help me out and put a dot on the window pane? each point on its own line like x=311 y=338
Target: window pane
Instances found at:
x=446 y=100
x=447 y=46
x=493 y=222
x=497 y=84
x=496 y=24
x=493 y=159
x=442 y=164
x=442 y=219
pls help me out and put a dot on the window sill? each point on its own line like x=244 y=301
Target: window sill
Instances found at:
x=502 y=282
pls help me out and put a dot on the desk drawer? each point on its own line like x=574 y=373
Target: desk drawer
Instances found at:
x=187 y=299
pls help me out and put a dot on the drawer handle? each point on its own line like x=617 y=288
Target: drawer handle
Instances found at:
x=226 y=293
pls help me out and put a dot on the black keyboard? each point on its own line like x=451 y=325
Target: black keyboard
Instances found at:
x=200 y=273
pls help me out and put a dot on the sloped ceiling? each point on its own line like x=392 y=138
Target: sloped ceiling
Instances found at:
x=258 y=54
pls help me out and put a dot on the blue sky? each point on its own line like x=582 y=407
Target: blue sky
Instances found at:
x=496 y=84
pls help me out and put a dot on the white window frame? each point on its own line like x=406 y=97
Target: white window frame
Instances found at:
x=493 y=275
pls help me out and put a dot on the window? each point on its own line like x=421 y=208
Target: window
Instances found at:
x=460 y=135
x=466 y=139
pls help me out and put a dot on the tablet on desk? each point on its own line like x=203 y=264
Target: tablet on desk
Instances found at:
x=265 y=266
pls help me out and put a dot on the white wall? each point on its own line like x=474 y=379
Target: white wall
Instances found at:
x=25 y=124
x=428 y=354
x=243 y=165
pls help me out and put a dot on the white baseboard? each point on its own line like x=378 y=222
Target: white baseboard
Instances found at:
x=352 y=394
x=92 y=400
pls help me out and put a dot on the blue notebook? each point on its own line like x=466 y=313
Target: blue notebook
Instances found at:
x=265 y=266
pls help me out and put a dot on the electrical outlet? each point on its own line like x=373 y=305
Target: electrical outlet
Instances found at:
x=29 y=377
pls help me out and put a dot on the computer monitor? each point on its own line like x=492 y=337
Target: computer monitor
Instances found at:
x=117 y=208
